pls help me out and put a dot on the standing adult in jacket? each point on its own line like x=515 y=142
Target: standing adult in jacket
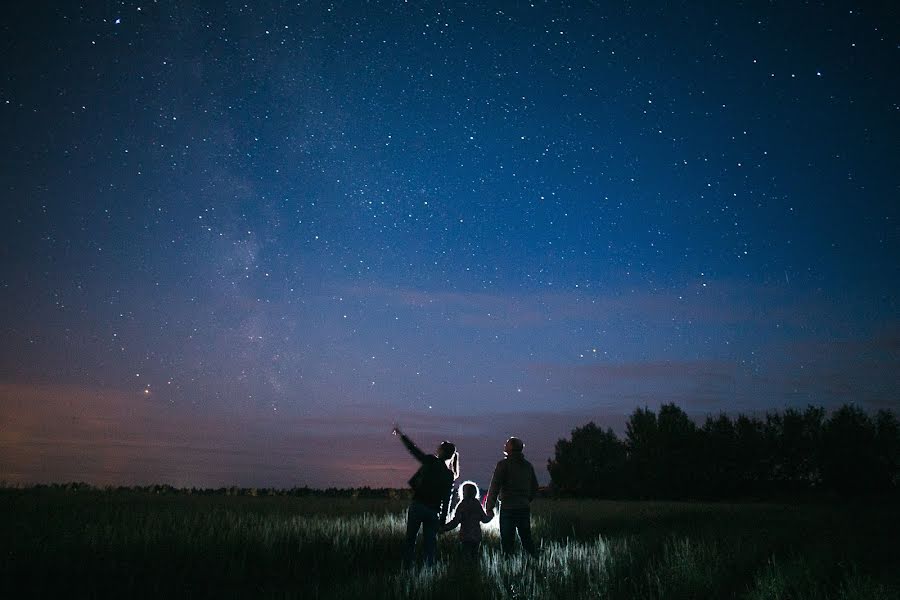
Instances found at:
x=432 y=487
x=515 y=484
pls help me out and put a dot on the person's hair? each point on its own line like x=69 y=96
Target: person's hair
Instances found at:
x=449 y=448
x=516 y=444
x=469 y=490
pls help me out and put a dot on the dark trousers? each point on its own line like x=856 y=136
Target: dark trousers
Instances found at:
x=428 y=518
x=512 y=520
x=470 y=549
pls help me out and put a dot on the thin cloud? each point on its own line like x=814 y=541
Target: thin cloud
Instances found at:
x=716 y=303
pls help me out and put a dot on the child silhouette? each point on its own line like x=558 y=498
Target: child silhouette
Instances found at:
x=469 y=516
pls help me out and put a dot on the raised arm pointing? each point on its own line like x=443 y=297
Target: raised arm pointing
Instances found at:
x=410 y=445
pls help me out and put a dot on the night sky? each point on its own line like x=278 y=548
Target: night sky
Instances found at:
x=240 y=240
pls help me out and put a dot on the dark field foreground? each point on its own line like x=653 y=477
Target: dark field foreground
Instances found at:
x=58 y=543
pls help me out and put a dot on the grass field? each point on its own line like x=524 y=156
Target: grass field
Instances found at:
x=65 y=544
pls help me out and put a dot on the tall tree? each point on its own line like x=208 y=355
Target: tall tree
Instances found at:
x=795 y=443
x=719 y=459
x=678 y=466
x=642 y=451
x=591 y=464
x=887 y=448
x=849 y=456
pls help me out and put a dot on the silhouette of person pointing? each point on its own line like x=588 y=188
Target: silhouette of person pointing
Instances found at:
x=432 y=487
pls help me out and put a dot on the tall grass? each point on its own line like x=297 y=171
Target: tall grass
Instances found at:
x=91 y=543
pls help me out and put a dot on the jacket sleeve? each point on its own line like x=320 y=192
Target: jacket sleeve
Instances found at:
x=496 y=481
x=483 y=515
x=453 y=522
x=413 y=449
x=534 y=485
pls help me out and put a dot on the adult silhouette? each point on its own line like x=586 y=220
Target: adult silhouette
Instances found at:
x=432 y=487
x=515 y=484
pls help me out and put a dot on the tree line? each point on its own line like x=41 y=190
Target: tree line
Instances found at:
x=669 y=456
x=170 y=490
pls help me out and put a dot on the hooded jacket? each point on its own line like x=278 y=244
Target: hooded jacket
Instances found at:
x=514 y=483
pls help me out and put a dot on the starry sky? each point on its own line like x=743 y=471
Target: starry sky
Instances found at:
x=241 y=240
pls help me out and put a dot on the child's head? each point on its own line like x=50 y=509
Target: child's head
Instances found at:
x=469 y=490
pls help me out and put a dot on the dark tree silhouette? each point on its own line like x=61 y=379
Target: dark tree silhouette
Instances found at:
x=642 y=452
x=752 y=458
x=679 y=447
x=848 y=452
x=591 y=464
x=887 y=442
x=794 y=452
x=861 y=455
x=794 y=440
x=720 y=457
